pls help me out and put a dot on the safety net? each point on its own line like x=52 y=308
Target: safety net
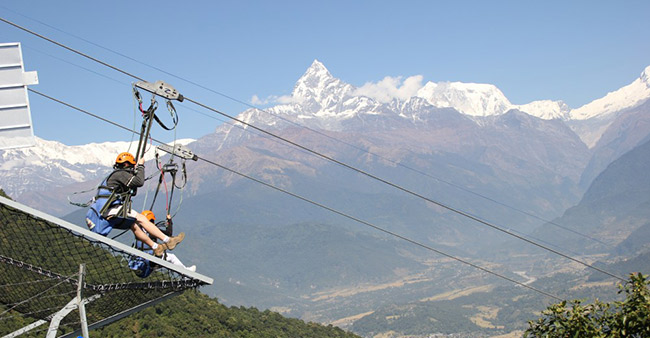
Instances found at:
x=40 y=258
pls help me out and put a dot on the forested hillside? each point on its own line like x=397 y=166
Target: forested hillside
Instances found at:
x=194 y=314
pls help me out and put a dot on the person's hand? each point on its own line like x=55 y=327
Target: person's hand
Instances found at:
x=141 y=161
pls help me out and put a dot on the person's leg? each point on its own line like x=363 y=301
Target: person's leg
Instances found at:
x=170 y=257
x=158 y=249
x=153 y=230
x=140 y=235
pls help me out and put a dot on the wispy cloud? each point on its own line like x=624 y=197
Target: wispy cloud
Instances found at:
x=391 y=88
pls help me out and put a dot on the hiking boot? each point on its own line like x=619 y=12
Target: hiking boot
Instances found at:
x=160 y=250
x=175 y=240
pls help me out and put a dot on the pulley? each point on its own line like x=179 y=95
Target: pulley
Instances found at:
x=160 y=88
x=178 y=150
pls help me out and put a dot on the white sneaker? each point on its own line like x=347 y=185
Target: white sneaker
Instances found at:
x=192 y=268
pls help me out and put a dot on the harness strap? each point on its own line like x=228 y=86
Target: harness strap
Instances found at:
x=155 y=117
x=124 y=197
x=83 y=205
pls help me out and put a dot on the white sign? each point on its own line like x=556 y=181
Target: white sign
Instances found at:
x=15 y=117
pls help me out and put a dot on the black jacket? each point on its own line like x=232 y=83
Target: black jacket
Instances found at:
x=121 y=180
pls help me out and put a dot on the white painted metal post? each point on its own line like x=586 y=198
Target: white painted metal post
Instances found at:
x=80 y=301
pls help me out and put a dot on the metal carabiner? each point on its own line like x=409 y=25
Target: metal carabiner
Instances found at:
x=137 y=95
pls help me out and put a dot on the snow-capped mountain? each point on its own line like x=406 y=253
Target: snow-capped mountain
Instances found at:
x=46 y=151
x=319 y=93
x=50 y=165
x=55 y=163
x=473 y=99
x=546 y=109
x=477 y=99
x=624 y=98
x=486 y=100
x=321 y=101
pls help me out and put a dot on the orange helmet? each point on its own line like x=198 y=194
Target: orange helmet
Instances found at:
x=149 y=215
x=125 y=157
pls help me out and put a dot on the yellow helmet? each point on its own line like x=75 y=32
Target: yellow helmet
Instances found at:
x=149 y=215
x=125 y=157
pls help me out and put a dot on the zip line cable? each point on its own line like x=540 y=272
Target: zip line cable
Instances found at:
x=211 y=116
x=529 y=214
x=262 y=135
x=117 y=81
x=329 y=158
x=72 y=64
x=381 y=229
x=70 y=49
x=320 y=205
x=332 y=138
x=440 y=204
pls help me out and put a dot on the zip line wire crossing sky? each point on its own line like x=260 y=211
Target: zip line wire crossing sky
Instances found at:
x=296 y=124
x=321 y=134
x=429 y=248
x=454 y=210
x=263 y=110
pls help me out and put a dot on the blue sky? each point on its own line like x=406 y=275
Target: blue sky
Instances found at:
x=575 y=51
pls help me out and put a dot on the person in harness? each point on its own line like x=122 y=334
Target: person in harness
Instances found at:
x=111 y=207
x=142 y=267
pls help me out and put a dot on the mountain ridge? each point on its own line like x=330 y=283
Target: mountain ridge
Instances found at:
x=319 y=100
x=42 y=172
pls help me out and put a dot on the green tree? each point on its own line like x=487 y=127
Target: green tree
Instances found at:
x=628 y=318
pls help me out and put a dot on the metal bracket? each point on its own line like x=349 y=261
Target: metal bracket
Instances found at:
x=178 y=150
x=160 y=88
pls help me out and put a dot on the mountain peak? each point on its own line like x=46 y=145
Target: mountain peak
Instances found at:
x=546 y=109
x=645 y=76
x=626 y=97
x=318 y=89
x=315 y=76
x=476 y=99
x=318 y=67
